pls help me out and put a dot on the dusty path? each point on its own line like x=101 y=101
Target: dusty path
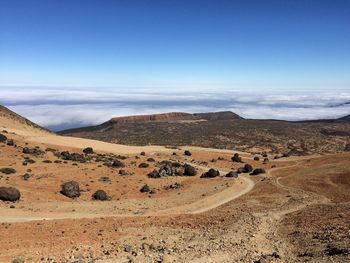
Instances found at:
x=203 y=205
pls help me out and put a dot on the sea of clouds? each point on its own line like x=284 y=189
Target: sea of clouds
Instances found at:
x=63 y=108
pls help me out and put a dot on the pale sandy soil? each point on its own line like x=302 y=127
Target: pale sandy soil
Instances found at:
x=249 y=219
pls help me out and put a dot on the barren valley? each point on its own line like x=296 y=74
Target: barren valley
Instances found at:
x=66 y=199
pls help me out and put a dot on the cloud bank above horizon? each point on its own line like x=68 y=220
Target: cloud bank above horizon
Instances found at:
x=62 y=108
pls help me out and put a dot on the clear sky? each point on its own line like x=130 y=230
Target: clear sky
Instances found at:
x=176 y=44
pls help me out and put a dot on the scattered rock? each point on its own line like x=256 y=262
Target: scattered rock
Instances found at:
x=3 y=138
x=71 y=189
x=7 y=170
x=256 y=158
x=154 y=174
x=88 y=150
x=118 y=164
x=34 y=151
x=247 y=168
x=143 y=153
x=151 y=160
x=122 y=172
x=187 y=153
x=10 y=142
x=333 y=250
x=258 y=171
x=75 y=157
x=236 y=158
x=233 y=174
x=143 y=165
x=173 y=186
x=101 y=196
x=210 y=174
x=10 y=194
x=145 y=189
x=26 y=176
x=189 y=170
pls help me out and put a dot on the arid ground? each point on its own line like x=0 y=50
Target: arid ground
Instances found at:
x=297 y=211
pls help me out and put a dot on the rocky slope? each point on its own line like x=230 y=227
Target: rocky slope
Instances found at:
x=223 y=130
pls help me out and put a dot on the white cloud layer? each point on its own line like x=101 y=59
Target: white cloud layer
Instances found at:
x=66 y=108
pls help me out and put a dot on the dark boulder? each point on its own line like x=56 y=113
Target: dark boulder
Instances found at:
x=88 y=150
x=145 y=189
x=211 y=173
x=3 y=138
x=122 y=172
x=189 y=170
x=247 y=168
x=258 y=171
x=9 y=194
x=151 y=160
x=100 y=195
x=236 y=158
x=118 y=164
x=187 y=153
x=256 y=158
x=143 y=165
x=70 y=189
x=7 y=170
x=154 y=174
x=142 y=153
x=233 y=174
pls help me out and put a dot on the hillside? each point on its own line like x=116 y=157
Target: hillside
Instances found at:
x=11 y=121
x=225 y=130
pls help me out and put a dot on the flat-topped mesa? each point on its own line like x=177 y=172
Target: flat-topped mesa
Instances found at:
x=175 y=116
x=163 y=117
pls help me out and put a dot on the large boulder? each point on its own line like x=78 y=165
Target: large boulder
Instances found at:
x=247 y=168
x=88 y=150
x=118 y=164
x=189 y=170
x=100 y=195
x=187 y=153
x=167 y=169
x=233 y=174
x=9 y=194
x=211 y=173
x=258 y=171
x=236 y=158
x=70 y=189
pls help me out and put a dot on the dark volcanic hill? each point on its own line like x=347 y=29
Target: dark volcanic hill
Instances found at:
x=225 y=130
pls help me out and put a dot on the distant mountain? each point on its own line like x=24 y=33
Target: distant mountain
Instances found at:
x=224 y=130
x=175 y=116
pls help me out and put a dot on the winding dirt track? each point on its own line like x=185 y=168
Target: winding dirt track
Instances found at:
x=203 y=205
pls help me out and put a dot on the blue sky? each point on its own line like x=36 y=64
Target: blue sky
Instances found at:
x=69 y=63
x=175 y=44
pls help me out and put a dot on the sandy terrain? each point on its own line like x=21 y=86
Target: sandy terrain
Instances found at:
x=298 y=211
